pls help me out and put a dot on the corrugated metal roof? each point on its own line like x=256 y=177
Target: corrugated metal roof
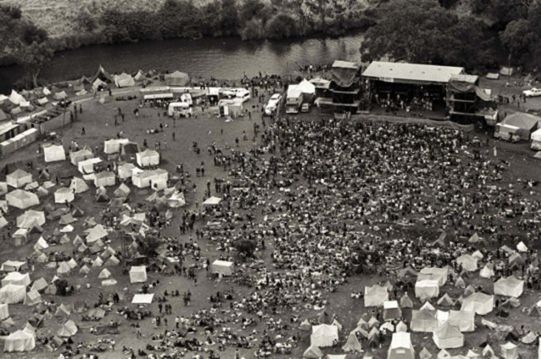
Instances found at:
x=397 y=71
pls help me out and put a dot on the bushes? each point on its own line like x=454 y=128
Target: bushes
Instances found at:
x=282 y=26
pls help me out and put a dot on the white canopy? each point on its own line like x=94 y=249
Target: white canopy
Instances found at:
x=64 y=195
x=18 y=178
x=138 y=274
x=426 y=289
x=212 y=201
x=87 y=166
x=478 y=302
x=12 y=294
x=20 y=341
x=113 y=145
x=148 y=158
x=31 y=218
x=16 y=278
x=53 y=153
x=448 y=336
x=324 y=335
x=375 y=295
x=224 y=268
x=142 y=298
x=104 y=179
x=509 y=287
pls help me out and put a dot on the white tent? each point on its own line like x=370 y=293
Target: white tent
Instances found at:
x=16 y=98
x=352 y=343
x=142 y=298
x=391 y=310
x=12 y=294
x=20 y=341
x=16 y=278
x=3 y=222
x=423 y=321
x=223 y=268
x=68 y=329
x=113 y=145
x=95 y=233
x=509 y=351
x=64 y=195
x=4 y=311
x=536 y=140
x=467 y=262
x=212 y=201
x=142 y=179
x=448 y=336
x=148 y=158
x=312 y=352
x=126 y=170
x=324 y=335
x=104 y=179
x=463 y=320
x=434 y=273
x=124 y=80
x=159 y=179
x=11 y=265
x=375 y=295
x=104 y=274
x=18 y=178
x=487 y=271
x=427 y=288
x=81 y=155
x=478 y=302
x=78 y=185
x=401 y=347
x=53 y=153
x=138 y=274
x=87 y=166
x=509 y=287
x=32 y=298
x=31 y=218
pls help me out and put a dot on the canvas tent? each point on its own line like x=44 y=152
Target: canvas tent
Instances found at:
x=142 y=298
x=138 y=274
x=126 y=170
x=31 y=218
x=177 y=78
x=148 y=158
x=448 y=336
x=11 y=265
x=352 y=343
x=16 y=98
x=20 y=341
x=375 y=295
x=16 y=278
x=478 y=302
x=32 y=298
x=63 y=195
x=124 y=80
x=509 y=287
x=517 y=126
x=18 y=178
x=87 y=166
x=222 y=268
x=324 y=335
x=313 y=352
x=439 y=274
x=509 y=351
x=81 y=155
x=212 y=201
x=401 y=347
x=12 y=293
x=391 y=310
x=423 y=321
x=467 y=262
x=78 y=185
x=104 y=179
x=426 y=289
x=4 y=311
x=113 y=145
x=53 y=153
x=68 y=329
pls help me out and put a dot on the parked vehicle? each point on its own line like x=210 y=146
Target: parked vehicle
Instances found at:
x=533 y=92
x=273 y=104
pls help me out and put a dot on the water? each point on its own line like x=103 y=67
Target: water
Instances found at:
x=228 y=58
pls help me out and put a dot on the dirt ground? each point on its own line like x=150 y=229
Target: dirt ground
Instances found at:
x=206 y=129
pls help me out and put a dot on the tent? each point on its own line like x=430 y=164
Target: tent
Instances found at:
x=12 y=293
x=142 y=298
x=375 y=296
x=423 y=320
x=463 y=320
x=391 y=310
x=39 y=284
x=87 y=166
x=16 y=98
x=125 y=170
x=78 y=185
x=10 y=266
x=31 y=218
x=536 y=140
x=148 y=158
x=405 y=301
x=521 y=247
x=81 y=155
x=158 y=180
x=16 y=278
x=212 y=201
x=434 y=273
x=4 y=311
x=448 y=336
x=401 y=347
x=425 y=354
x=32 y=298
x=509 y=351
x=63 y=195
x=124 y=80
x=313 y=352
x=352 y=343
x=324 y=335
x=446 y=300
x=222 y=268
x=102 y=75
x=113 y=145
x=467 y=262
x=95 y=233
x=68 y=329
x=122 y=191
x=104 y=179
x=53 y=153
x=509 y=287
x=487 y=271
x=20 y=341
x=426 y=289
x=104 y=274
x=3 y=222
x=138 y=274
x=478 y=302
x=177 y=78
x=176 y=200
x=18 y=178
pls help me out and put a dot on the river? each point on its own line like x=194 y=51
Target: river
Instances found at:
x=225 y=58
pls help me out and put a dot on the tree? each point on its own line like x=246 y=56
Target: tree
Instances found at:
x=33 y=57
x=517 y=38
x=245 y=247
x=254 y=29
x=282 y=26
x=230 y=17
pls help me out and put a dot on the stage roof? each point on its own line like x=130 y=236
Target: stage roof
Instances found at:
x=411 y=73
